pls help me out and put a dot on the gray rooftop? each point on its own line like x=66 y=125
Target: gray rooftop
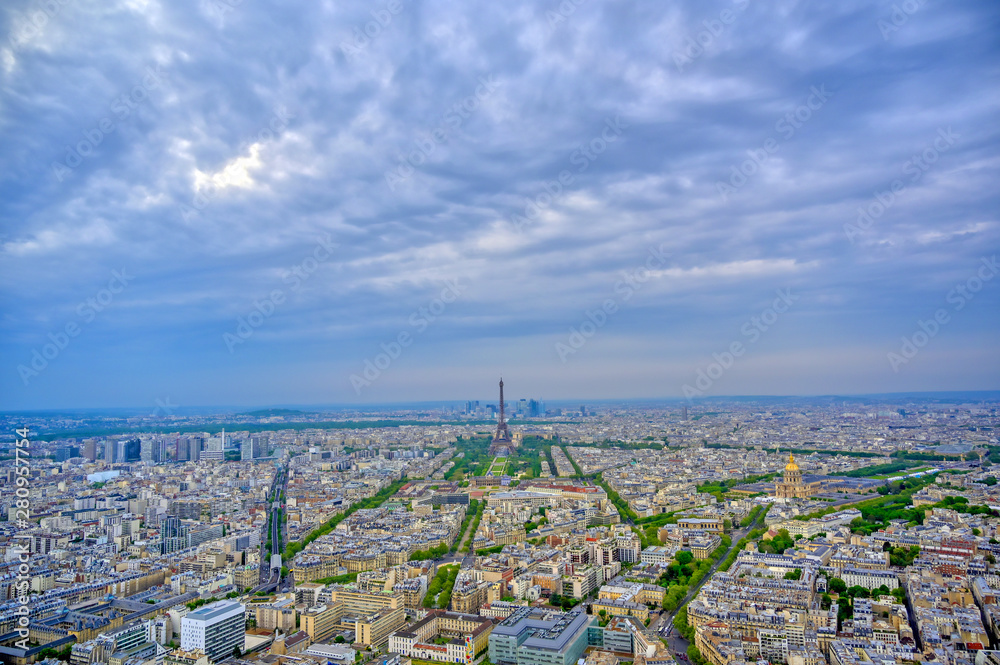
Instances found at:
x=214 y=611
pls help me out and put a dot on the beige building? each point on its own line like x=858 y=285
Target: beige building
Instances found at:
x=322 y=621
x=791 y=485
x=375 y=629
x=468 y=595
x=178 y=657
x=280 y=615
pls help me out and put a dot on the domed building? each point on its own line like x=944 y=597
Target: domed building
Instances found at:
x=791 y=485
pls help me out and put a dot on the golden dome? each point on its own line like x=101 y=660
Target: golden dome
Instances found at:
x=791 y=466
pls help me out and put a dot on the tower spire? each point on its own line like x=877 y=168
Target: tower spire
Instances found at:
x=501 y=439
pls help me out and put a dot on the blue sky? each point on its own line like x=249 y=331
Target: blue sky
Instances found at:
x=254 y=202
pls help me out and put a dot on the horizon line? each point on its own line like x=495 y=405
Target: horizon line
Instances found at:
x=440 y=402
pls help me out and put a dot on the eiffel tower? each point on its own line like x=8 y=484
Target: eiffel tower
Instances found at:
x=501 y=439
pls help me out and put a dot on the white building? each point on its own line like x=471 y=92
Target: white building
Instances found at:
x=338 y=653
x=869 y=579
x=658 y=554
x=215 y=629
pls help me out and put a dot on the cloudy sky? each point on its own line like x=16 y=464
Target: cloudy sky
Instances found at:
x=253 y=202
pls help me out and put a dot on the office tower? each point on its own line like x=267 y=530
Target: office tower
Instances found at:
x=182 y=449
x=215 y=448
x=196 y=446
x=66 y=452
x=216 y=629
x=146 y=450
x=534 y=636
x=110 y=452
x=90 y=450
x=173 y=534
x=253 y=448
x=128 y=450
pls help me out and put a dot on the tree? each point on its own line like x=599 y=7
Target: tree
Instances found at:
x=902 y=557
x=837 y=585
x=857 y=591
x=237 y=652
x=684 y=557
x=339 y=639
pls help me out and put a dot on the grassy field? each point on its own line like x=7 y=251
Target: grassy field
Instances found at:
x=900 y=474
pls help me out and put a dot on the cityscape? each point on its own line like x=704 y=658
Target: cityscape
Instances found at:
x=532 y=332
x=791 y=530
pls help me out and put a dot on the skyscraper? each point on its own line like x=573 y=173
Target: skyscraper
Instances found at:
x=215 y=448
x=146 y=450
x=90 y=450
x=173 y=534
x=252 y=448
x=182 y=449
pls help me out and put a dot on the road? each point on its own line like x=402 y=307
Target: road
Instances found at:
x=269 y=577
x=470 y=530
x=665 y=624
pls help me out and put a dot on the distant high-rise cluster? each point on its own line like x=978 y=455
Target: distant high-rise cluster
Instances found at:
x=523 y=408
x=252 y=448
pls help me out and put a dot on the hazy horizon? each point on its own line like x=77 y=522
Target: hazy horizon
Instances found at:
x=957 y=397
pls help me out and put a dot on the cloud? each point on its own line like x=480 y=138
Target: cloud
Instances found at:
x=262 y=132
